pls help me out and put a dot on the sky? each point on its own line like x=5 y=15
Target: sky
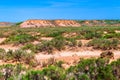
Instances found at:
x=21 y=10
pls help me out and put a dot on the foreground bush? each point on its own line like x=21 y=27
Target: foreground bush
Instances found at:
x=12 y=72
x=50 y=73
x=91 y=69
x=86 y=69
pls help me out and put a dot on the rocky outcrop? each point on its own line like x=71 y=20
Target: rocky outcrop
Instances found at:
x=68 y=23
x=36 y=23
x=49 y=23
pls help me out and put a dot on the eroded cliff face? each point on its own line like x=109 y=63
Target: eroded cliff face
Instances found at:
x=64 y=23
x=36 y=23
x=49 y=23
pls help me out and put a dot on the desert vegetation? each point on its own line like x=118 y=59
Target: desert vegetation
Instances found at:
x=23 y=61
x=86 y=69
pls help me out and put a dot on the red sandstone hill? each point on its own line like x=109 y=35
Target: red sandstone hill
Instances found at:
x=49 y=23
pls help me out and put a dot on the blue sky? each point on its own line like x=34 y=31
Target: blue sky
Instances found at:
x=20 y=10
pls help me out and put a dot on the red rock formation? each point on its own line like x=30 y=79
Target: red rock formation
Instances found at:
x=36 y=23
x=64 y=23
x=49 y=23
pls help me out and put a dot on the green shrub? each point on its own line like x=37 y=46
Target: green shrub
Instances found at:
x=107 y=54
x=50 y=73
x=29 y=46
x=54 y=34
x=2 y=53
x=116 y=69
x=91 y=69
x=1 y=35
x=104 y=44
x=45 y=46
x=29 y=58
x=59 y=64
x=20 y=39
x=11 y=72
x=72 y=42
x=19 y=55
x=53 y=73
x=112 y=35
x=91 y=35
x=79 y=43
x=34 y=75
x=83 y=77
x=59 y=42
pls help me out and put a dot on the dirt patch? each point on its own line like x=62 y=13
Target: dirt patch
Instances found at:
x=11 y=47
x=2 y=39
x=84 y=42
x=46 y=38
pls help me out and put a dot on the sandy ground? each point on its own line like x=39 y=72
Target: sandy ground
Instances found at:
x=7 y=47
x=70 y=56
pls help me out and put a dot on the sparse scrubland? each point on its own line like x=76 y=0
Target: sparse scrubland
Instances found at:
x=21 y=63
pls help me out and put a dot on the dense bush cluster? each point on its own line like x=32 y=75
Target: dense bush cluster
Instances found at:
x=58 y=43
x=17 y=56
x=89 y=69
x=12 y=72
x=19 y=39
x=104 y=44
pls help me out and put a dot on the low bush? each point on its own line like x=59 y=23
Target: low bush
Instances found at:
x=2 y=53
x=91 y=69
x=107 y=54
x=112 y=35
x=12 y=72
x=45 y=46
x=57 y=43
x=104 y=44
x=54 y=34
x=79 y=43
x=20 y=39
x=71 y=42
x=29 y=46
x=19 y=55
x=91 y=35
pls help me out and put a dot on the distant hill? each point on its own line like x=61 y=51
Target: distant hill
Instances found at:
x=61 y=23
x=5 y=24
x=50 y=23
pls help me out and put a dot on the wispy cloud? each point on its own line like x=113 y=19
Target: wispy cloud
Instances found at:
x=67 y=3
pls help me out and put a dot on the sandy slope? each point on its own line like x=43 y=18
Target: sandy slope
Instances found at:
x=69 y=56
